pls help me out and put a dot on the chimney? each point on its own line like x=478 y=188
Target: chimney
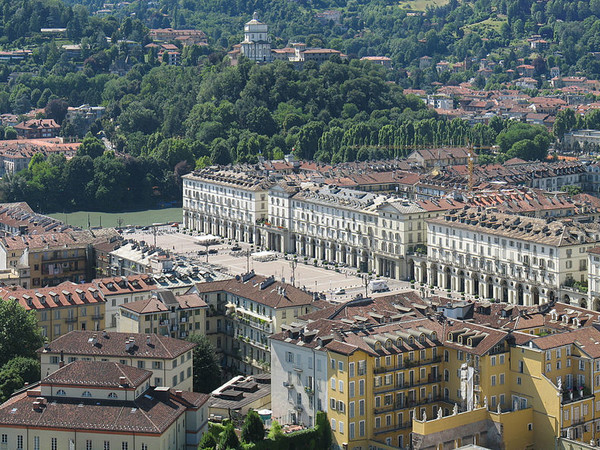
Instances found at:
x=104 y=334
x=123 y=381
x=178 y=393
x=147 y=340
x=61 y=364
x=127 y=345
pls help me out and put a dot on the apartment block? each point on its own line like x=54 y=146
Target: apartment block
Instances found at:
x=169 y=360
x=63 y=308
x=165 y=313
x=90 y=404
x=243 y=312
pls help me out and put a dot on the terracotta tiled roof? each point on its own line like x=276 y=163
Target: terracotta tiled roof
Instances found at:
x=99 y=374
x=114 y=344
x=271 y=296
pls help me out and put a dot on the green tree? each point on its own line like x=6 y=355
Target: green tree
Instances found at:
x=19 y=332
x=91 y=146
x=228 y=439
x=207 y=371
x=10 y=381
x=28 y=368
x=276 y=432
x=253 y=429
x=208 y=442
x=219 y=152
x=10 y=133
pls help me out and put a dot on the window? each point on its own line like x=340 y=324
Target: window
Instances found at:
x=141 y=364
x=493 y=380
x=341 y=427
x=112 y=395
x=4 y=439
x=361 y=408
x=581 y=364
x=333 y=384
x=332 y=403
x=341 y=366
x=377 y=422
x=332 y=424
x=88 y=444
x=351 y=410
x=361 y=428
x=341 y=386
x=86 y=394
x=351 y=369
x=501 y=359
x=493 y=360
x=351 y=430
x=124 y=446
x=36 y=443
x=61 y=392
x=53 y=444
x=289 y=357
x=144 y=447
x=333 y=364
x=351 y=389
x=361 y=387
x=501 y=378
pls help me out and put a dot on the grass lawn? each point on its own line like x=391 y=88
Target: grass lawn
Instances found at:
x=141 y=218
x=491 y=24
x=421 y=5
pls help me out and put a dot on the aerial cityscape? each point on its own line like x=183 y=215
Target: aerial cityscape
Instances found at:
x=293 y=224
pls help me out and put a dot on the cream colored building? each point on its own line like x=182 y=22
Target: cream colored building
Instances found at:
x=169 y=360
x=242 y=314
x=102 y=405
x=166 y=314
x=225 y=203
x=515 y=259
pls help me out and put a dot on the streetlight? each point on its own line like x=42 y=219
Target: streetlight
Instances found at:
x=293 y=264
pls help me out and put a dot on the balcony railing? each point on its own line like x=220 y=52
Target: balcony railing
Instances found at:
x=390 y=428
x=407 y=385
x=576 y=394
x=407 y=364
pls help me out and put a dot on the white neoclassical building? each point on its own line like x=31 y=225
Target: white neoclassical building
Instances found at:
x=225 y=203
x=515 y=259
x=256 y=45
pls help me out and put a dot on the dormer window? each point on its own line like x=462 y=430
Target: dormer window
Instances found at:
x=422 y=338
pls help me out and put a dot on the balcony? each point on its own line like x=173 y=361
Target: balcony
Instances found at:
x=288 y=384
x=409 y=403
x=407 y=364
x=309 y=390
x=576 y=395
x=406 y=385
x=390 y=428
x=71 y=319
x=97 y=316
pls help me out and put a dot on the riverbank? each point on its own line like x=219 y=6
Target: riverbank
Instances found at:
x=134 y=218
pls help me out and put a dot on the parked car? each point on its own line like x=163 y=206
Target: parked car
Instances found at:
x=236 y=248
x=340 y=291
x=213 y=251
x=202 y=252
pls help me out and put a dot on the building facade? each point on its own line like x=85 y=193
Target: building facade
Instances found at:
x=515 y=259
x=169 y=360
x=102 y=405
x=256 y=45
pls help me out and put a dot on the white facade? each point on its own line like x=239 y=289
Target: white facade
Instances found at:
x=299 y=383
x=225 y=203
x=510 y=258
x=256 y=45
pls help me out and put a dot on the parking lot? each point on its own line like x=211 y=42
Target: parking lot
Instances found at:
x=316 y=279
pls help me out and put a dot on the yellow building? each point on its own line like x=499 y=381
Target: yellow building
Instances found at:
x=399 y=374
x=102 y=405
x=167 y=314
x=63 y=308
x=170 y=360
